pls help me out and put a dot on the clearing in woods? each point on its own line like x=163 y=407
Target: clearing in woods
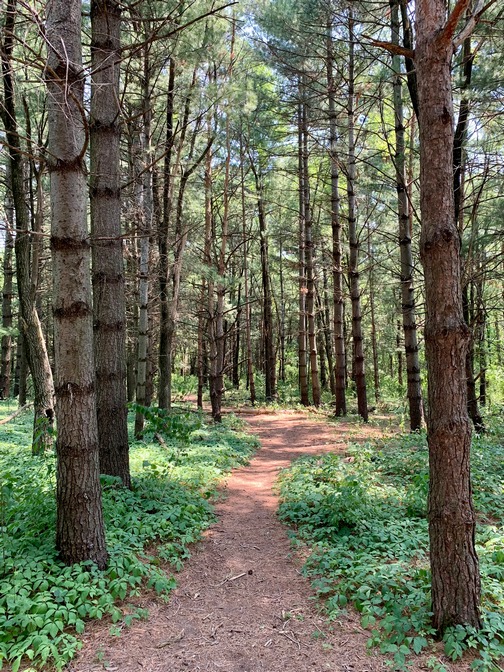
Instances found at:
x=241 y=604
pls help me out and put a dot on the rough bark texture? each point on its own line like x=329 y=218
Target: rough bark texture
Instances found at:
x=218 y=331
x=79 y=528
x=407 y=32
x=353 y=268
x=132 y=228
x=309 y=261
x=108 y=270
x=405 y=234
x=171 y=319
x=166 y=329
x=213 y=379
x=337 y=271
x=267 y=321
x=248 y=335
x=454 y=564
x=302 y=359
x=326 y=322
x=281 y=316
x=144 y=155
x=21 y=369
x=7 y=292
x=459 y=141
x=372 y=311
x=35 y=346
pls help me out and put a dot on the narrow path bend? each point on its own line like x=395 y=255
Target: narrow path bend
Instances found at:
x=241 y=604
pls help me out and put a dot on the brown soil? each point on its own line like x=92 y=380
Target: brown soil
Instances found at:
x=242 y=604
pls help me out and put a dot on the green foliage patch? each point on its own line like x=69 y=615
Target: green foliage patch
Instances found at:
x=364 y=516
x=45 y=605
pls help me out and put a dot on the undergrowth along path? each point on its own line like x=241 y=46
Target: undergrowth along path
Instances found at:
x=242 y=604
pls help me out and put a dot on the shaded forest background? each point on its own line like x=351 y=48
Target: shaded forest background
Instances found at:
x=232 y=126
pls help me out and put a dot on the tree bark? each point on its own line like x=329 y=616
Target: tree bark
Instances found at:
x=21 y=369
x=209 y=285
x=246 y=298
x=79 y=528
x=302 y=358
x=147 y=207
x=172 y=300
x=372 y=310
x=281 y=320
x=405 y=235
x=337 y=271
x=459 y=141
x=353 y=270
x=326 y=321
x=267 y=321
x=7 y=293
x=35 y=346
x=107 y=256
x=166 y=328
x=309 y=263
x=454 y=563
x=218 y=342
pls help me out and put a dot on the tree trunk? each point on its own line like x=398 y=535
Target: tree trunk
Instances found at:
x=107 y=256
x=213 y=378
x=267 y=321
x=21 y=371
x=405 y=234
x=399 y=355
x=372 y=310
x=166 y=328
x=201 y=354
x=309 y=256
x=133 y=227
x=80 y=530
x=217 y=358
x=481 y=341
x=459 y=141
x=181 y=233
x=36 y=351
x=281 y=325
x=7 y=293
x=302 y=359
x=472 y=399
x=147 y=207
x=337 y=271
x=454 y=563
x=353 y=270
x=328 y=335
x=246 y=298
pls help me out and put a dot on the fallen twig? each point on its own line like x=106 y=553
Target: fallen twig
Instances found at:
x=172 y=640
x=160 y=439
x=238 y=576
x=14 y=415
x=294 y=641
x=229 y=578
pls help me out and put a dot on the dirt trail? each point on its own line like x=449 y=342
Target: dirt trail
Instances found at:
x=241 y=604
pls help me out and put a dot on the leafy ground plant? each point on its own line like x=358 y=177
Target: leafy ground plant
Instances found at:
x=44 y=606
x=364 y=516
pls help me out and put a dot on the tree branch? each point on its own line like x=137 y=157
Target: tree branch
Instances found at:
x=479 y=10
x=392 y=48
x=453 y=20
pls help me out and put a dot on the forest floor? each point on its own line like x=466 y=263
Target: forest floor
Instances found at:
x=241 y=604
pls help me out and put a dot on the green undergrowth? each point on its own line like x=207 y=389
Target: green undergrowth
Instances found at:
x=44 y=605
x=364 y=517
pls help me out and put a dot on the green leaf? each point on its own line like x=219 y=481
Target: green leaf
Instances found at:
x=16 y=664
x=419 y=643
x=367 y=621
